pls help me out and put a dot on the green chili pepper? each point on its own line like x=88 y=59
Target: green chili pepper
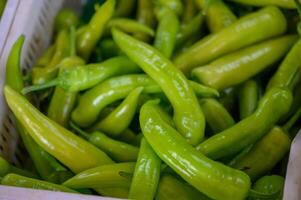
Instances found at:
x=124 y=8
x=288 y=68
x=119 y=151
x=228 y=98
x=171 y=188
x=175 y=5
x=84 y=77
x=274 y=104
x=65 y=19
x=49 y=72
x=270 y=185
x=47 y=167
x=218 y=15
x=106 y=176
x=59 y=142
x=21 y=181
x=108 y=49
x=239 y=66
x=6 y=168
x=248 y=98
x=146 y=175
x=130 y=137
x=289 y=4
x=117 y=192
x=94 y=100
x=212 y=178
x=255 y=27
x=92 y=32
x=189 y=11
x=189 y=30
x=267 y=152
x=45 y=57
x=188 y=115
x=119 y=120
x=167 y=30
x=217 y=117
x=145 y=15
x=130 y=26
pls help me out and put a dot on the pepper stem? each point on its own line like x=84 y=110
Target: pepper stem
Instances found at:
x=34 y=88
x=288 y=125
x=259 y=195
x=79 y=131
x=298 y=6
x=72 y=41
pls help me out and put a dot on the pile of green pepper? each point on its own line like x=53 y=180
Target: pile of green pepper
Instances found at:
x=161 y=99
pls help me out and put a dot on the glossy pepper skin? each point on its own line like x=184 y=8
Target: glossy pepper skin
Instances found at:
x=49 y=72
x=45 y=57
x=269 y=185
x=170 y=188
x=239 y=66
x=65 y=19
x=117 y=150
x=47 y=166
x=106 y=176
x=264 y=155
x=168 y=27
x=119 y=120
x=174 y=5
x=288 y=68
x=273 y=105
x=146 y=16
x=92 y=32
x=53 y=138
x=248 y=98
x=216 y=115
x=146 y=175
x=22 y=181
x=218 y=15
x=288 y=4
x=130 y=26
x=80 y=78
x=261 y=25
x=188 y=115
x=209 y=177
x=6 y=168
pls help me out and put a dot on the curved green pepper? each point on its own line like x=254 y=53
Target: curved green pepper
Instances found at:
x=288 y=69
x=218 y=15
x=171 y=188
x=146 y=175
x=255 y=27
x=65 y=19
x=21 y=181
x=124 y=8
x=188 y=115
x=47 y=166
x=56 y=140
x=119 y=151
x=130 y=137
x=119 y=120
x=130 y=26
x=248 y=98
x=270 y=185
x=45 y=57
x=209 y=177
x=106 y=176
x=42 y=75
x=189 y=11
x=168 y=27
x=88 y=37
x=289 y=4
x=217 y=117
x=239 y=66
x=80 y=78
x=273 y=105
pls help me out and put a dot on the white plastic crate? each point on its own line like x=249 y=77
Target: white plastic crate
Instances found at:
x=34 y=19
